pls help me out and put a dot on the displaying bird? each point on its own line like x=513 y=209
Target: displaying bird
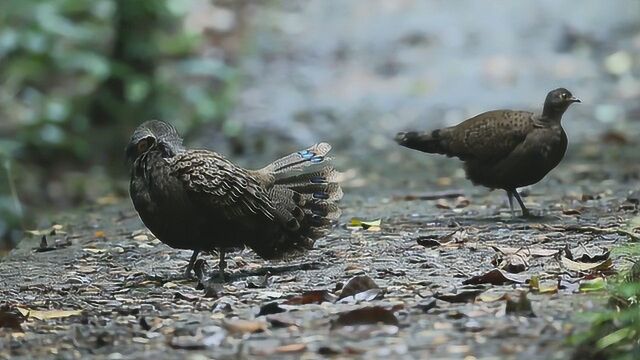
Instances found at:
x=199 y=200
x=503 y=149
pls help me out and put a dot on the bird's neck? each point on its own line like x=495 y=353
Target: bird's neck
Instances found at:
x=552 y=114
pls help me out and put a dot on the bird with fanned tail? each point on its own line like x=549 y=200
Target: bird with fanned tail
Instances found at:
x=503 y=149
x=199 y=200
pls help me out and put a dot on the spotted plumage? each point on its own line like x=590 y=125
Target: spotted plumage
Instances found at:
x=199 y=200
x=503 y=149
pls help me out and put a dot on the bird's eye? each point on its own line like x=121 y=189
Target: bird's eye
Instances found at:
x=143 y=145
x=564 y=96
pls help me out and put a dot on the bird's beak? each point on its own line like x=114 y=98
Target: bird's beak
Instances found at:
x=574 y=99
x=130 y=153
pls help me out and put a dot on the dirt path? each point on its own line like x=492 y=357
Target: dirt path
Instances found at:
x=126 y=299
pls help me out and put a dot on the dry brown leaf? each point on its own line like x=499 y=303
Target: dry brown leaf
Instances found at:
x=454 y=239
x=11 y=319
x=442 y=204
x=291 y=348
x=48 y=314
x=365 y=316
x=239 y=326
x=496 y=277
x=464 y=295
x=311 y=297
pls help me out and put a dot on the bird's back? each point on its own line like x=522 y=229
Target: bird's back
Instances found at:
x=199 y=200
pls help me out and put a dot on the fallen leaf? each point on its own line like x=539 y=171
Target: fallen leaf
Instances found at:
x=270 y=308
x=462 y=202
x=369 y=295
x=11 y=318
x=366 y=315
x=513 y=263
x=291 y=348
x=571 y=212
x=453 y=239
x=238 y=326
x=357 y=284
x=282 y=320
x=48 y=314
x=181 y=296
x=496 y=277
x=491 y=296
x=543 y=286
x=533 y=251
x=462 y=296
x=370 y=225
x=583 y=253
x=442 y=204
x=312 y=297
x=94 y=250
x=582 y=266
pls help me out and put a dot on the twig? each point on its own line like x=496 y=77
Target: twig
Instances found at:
x=430 y=196
x=590 y=229
x=281 y=269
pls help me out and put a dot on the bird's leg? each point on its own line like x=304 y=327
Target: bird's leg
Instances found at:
x=192 y=261
x=221 y=265
x=525 y=211
x=510 y=196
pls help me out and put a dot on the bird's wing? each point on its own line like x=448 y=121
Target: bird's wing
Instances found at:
x=215 y=182
x=491 y=135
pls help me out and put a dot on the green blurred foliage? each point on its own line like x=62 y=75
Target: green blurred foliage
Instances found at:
x=77 y=76
x=615 y=331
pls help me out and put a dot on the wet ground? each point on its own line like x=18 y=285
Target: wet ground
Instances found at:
x=102 y=286
x=353 y=74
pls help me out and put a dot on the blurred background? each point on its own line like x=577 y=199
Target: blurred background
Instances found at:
x=257 y=79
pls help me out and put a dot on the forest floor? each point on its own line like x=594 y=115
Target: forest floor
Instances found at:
x=422 y=282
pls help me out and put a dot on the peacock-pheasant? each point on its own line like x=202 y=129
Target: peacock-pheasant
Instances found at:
x=503 y=149
x=199 y=200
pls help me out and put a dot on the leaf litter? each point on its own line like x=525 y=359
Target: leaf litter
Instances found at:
x=358 y=292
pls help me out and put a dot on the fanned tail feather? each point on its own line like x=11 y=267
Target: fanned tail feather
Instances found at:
x=304 y=191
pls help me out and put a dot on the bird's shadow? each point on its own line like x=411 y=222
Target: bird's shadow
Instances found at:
x=215 y=278
x=495 y=219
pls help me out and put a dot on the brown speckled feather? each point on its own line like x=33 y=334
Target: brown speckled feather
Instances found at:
x=217 y=183
x=199 y=200
x=502 y=149
x=488 y=136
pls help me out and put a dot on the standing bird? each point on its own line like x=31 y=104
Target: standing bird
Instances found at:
x=503 y=149
x=199 y=200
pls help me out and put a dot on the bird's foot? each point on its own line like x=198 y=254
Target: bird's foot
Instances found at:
x=221 y=277
x=527 y=215
x=188 y=273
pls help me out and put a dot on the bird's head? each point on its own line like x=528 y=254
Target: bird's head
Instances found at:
x=558 y=101
x=154 y=134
